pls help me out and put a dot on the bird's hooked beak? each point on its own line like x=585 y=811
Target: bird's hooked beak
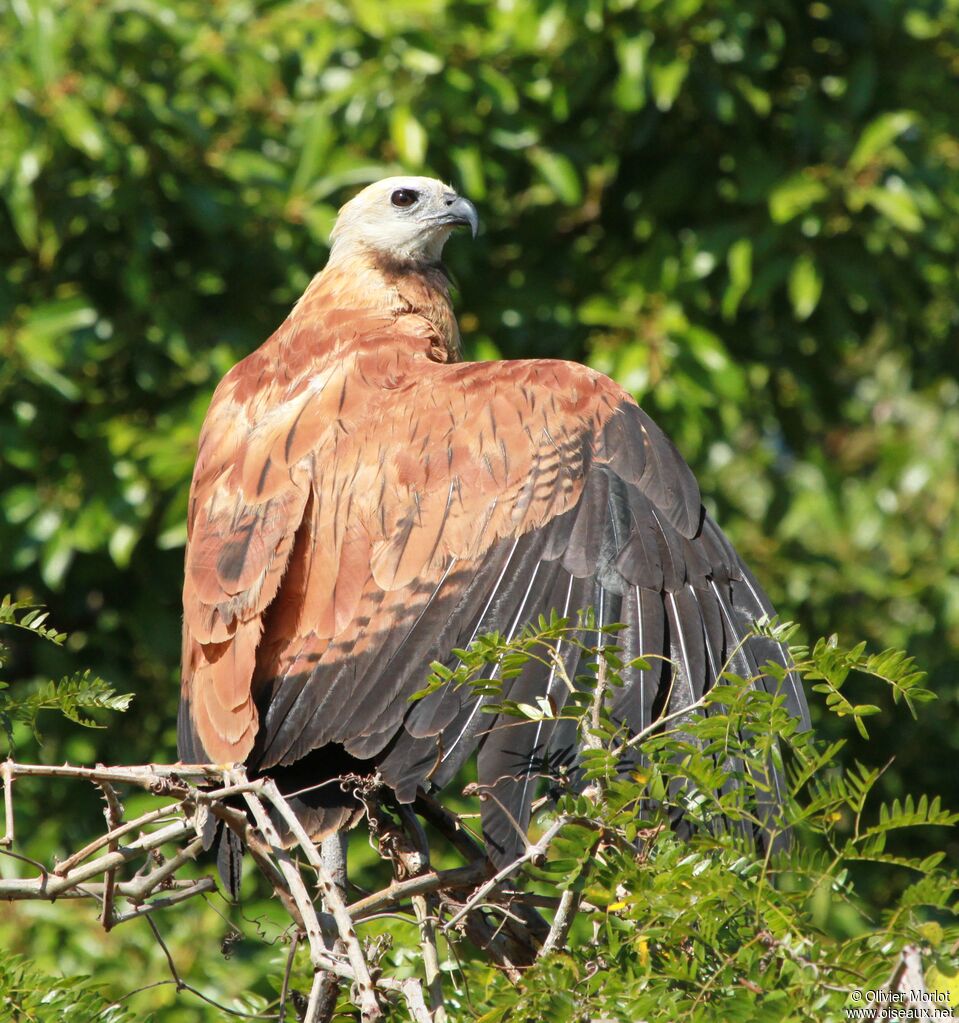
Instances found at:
x=461 y=212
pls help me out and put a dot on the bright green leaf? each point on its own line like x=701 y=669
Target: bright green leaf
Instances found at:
x=878 y=136
x=805 y=287
x=794 y=196
x=559 y=173
x=409 y=137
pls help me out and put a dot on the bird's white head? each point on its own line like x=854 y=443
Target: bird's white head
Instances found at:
x=405 y=220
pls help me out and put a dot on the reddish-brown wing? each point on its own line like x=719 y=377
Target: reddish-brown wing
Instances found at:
x=373 y=480
x=255 y=473
x=376 y=516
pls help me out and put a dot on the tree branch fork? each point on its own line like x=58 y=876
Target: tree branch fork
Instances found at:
x=131 y=870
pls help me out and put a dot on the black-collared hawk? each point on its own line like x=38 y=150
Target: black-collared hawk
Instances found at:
x=364 y=502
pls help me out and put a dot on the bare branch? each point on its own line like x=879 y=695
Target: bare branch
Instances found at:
x=205 y=884
x=155 y=878
x=434 y=881
x=285 y=990
x=65 y=866
x=562 y=921
x=450 y=827
x=7 y=774
x=182 y=985
x=54 y=885
x=124 y=870
x=412 y=991
x=369 y=1008
x=424 y=908
x=534 y=851
x=32 y=888
x=113 y=812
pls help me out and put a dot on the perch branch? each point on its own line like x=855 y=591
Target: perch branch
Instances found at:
x=424 y=908
x=434 y=881
x=124 y=870
x=7 y=772
x=113 y=812
x=559 y=929
x=534 y=851
x=333 y=899
x=314 y=932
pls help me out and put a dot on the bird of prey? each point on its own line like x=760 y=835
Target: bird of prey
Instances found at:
x=364 y=502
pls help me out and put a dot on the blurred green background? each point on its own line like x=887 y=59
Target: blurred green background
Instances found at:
x=748 y=213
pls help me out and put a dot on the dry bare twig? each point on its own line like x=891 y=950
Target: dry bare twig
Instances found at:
x=134 y=868
x=534 y=851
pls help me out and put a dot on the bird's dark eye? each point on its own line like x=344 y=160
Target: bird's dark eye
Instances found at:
x=404 y=198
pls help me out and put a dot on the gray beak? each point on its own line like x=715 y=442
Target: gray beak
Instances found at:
x=462 y=213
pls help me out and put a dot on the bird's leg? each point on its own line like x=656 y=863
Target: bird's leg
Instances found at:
x=333 y=852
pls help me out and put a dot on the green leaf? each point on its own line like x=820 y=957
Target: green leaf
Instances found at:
x=559 y=173
x=739 y=261
x=31 y=617
x=469 y=167
x=896 y=205
x=878 y=136
x=422 y=61
x=795 y=196
x=409 y=137
x=631 y=52
x=122 y=541
x=79 y=126
x=21 y=201
x=805 y=287
x=666 y=80
x=318 y=138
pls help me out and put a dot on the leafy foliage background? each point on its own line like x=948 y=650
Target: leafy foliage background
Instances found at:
x=746 y=212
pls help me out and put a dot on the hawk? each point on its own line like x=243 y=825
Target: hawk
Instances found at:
x=364 y=502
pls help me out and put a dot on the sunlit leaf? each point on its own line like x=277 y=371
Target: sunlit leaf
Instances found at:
x=559 y=173
x=805 y=287
x=794 y=196
x=878 y=135
x=409 y=137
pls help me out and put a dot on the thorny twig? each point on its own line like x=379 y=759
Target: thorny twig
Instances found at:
x=133 y=871
x=369 y=1007
x=7 y=771
x=65 y=866
x=422 y=884
x=559 y=929
x=113 y=812
x=424 y=906
x=534 y=851
x=285 y=990
x=182 y=985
